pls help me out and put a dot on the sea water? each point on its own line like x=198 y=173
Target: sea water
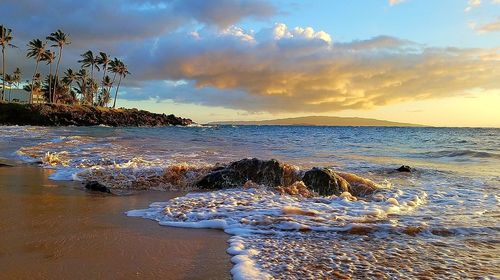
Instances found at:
x=440 y=221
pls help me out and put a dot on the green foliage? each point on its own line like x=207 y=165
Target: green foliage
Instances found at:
x=75 y=86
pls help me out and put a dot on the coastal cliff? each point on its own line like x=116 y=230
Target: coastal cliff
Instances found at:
x=81 y=115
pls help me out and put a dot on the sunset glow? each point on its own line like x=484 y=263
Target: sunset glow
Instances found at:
x=423 y=62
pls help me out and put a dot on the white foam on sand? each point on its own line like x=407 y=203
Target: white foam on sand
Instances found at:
x=244 y=213
x=245 y=267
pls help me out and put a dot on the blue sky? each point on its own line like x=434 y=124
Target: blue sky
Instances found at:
x=440 y=23
x=404 y=60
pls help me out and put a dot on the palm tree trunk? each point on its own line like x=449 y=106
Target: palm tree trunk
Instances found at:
x=104 y=76
x=57 y=69
x=91 y=80
x=10 y=91
x=3 y=72
x=69 y=89
x=112 y=83
x=33 y=81
x=116 y=93
x=50 y=83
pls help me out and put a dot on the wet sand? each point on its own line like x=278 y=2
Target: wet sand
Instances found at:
x=54 y=230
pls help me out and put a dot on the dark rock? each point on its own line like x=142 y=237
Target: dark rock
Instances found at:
x=81 y=115
x=325 y=182
x=96 y=186
x=221 y=179
x=404 y=168
x=264 y=172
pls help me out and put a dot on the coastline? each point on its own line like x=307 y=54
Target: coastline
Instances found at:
x=82 y=115
x=49 y=229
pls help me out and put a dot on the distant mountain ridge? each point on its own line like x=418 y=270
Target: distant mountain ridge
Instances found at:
x=321 y=121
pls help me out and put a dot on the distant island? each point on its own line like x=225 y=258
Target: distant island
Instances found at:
x=321 y=121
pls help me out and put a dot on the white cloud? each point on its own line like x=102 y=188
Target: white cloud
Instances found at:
x=472 y=4
x=395 y=2
x=237 y=32
x=281 y=31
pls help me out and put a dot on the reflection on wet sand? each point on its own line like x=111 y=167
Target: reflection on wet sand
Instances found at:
x=52 y=230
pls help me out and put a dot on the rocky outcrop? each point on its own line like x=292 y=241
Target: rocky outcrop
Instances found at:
x=272 y=173
x=263 y=172
x=64 y=115
x=325 y=182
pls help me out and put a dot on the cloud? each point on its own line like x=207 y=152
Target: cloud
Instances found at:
x=117 y=20
x=284 y=69
x=472 y=4
x=197 y=55
x=118 y=27
x=224 y=12
x=395 y=2
x=493 y=26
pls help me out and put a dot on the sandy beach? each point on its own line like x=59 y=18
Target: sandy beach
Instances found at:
x=57 y=230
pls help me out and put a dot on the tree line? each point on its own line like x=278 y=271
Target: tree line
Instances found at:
x=80 y=86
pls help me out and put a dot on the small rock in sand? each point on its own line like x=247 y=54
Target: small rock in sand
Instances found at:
x=96 y=186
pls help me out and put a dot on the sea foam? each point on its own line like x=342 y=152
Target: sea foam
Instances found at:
x=249 y=214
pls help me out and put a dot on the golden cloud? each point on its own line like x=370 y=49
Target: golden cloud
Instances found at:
x=490 y=27
x=286 y=70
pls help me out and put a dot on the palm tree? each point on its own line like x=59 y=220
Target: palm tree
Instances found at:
x=50 y=56
x=113 y=67
x=122 y=71
x=89 y=61
x=103 y=59
x=104 y=97
x=93 y=86
x=69 y=78
x=33 y=88
x=5 y=39
x=60 y=39
x=36 y=50
x=18 y=76
x=82 y=84
x=9 y=79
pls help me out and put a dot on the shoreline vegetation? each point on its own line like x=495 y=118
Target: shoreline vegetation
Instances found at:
x=74 y=87
x=78 y=97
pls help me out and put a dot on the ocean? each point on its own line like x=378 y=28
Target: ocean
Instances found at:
x=440 y=221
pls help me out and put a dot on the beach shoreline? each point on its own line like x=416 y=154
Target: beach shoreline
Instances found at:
x=58 y=230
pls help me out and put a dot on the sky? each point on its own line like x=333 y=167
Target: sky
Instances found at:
x=419 y=61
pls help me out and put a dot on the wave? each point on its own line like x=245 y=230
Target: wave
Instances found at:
x=460 y=153
x=140 y=174
x=250 y=214
x=261 y=210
